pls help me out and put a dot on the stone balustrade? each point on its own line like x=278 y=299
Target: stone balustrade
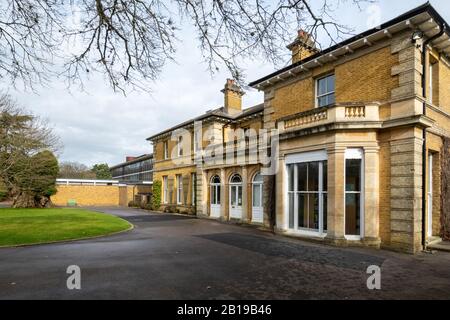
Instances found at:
x=339 y=113
x=355 y=111
x=306 y=118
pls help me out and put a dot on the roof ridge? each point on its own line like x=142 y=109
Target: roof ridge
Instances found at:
x=426 y=7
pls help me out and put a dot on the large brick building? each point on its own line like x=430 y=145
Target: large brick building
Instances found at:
x=361 y=132
x=184 y=181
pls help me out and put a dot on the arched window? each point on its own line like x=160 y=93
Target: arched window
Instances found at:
x=215 y=180
x=235 y=179
x=235 y=191
x=258 y=178
x=215 y=190
x=257 y=190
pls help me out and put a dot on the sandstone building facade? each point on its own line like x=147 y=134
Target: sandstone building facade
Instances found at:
x=361 y=128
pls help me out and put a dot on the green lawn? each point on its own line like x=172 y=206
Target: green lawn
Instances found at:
x=31 y=226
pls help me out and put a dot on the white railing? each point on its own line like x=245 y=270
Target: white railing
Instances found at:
x=69 y=182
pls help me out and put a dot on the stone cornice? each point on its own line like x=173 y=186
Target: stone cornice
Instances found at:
x=420 y=120
x=354 y=125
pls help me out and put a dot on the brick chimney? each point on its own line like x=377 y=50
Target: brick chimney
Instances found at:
x=303 y=47
x=232 y=97
x=129 y=158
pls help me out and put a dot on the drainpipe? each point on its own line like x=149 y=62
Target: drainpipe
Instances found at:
x=424 y=131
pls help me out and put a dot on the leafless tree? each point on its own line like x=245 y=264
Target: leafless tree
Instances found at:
x=129 y=41
x=75 y=170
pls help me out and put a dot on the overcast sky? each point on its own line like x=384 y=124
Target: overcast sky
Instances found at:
x=102 y=126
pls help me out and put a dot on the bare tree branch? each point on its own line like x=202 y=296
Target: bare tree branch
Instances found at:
x=130 y=41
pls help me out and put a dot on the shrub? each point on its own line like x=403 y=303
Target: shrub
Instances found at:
x=171 y=209
x=133 y=204
x=3 y=195
x=156 y=195
x=50 y=191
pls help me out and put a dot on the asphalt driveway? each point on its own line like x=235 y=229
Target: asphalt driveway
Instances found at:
x=177 y=257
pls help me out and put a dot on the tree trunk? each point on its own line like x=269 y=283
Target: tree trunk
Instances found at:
x=24 y=200
x=28 y=200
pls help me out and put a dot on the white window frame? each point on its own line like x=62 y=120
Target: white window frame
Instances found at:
x=193 y=189
x=258 y=184
x=238 y=185
x=355 y=153
x=179 y=179
x=166 y=149
x=180 y=146
x=293 y=159
x=325 y=94
x=196 y=142
x=430 y=196
x=165 y=189
x=430 y=85
x=216 y=187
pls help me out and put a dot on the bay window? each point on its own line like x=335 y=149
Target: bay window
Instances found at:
x=354 y=197
x=307 y=196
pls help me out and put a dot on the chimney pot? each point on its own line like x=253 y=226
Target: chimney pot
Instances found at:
x=303 y=47
x=232 y=97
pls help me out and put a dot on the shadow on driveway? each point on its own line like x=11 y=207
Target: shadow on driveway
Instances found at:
x=282 y=249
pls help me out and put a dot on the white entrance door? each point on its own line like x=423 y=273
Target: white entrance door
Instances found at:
x=430 y=196
x=257 y=191
x=215 y=210
x=215 y=197
x=236 y=197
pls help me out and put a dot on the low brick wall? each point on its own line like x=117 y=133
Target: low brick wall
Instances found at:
x=90 y=195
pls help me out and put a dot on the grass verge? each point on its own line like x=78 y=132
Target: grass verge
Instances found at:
x=34 y=226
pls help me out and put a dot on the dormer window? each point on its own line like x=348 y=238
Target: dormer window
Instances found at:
x=325 y=94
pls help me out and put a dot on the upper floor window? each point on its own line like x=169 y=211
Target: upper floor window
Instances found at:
x=166 y=149
x=180 y=146
x=196 y=141
x=325 y=91
x=432 y=81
